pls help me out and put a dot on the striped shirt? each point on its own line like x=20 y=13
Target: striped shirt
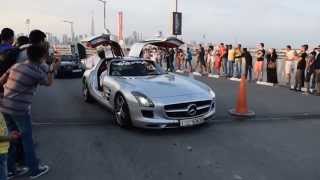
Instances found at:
x=21 y=86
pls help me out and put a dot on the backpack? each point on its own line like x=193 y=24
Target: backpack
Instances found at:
x=7 y=59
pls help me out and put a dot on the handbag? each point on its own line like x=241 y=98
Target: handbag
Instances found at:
x=272 y=65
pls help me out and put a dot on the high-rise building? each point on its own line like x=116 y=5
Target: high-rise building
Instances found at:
x=120 y=26
x=65 y=39
x=92 y=33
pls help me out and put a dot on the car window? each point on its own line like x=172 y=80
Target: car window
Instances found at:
x=68 y=58
x=134 y=68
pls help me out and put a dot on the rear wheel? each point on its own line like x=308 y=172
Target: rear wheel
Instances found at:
x=86 y=93
x=122 y=114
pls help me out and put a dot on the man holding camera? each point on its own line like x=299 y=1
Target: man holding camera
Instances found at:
x=20 y=83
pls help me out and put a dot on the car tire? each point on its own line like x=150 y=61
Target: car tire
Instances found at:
x=121 y=112
x=86 y=93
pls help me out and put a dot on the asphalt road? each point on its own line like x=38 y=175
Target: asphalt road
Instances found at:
x=80 y=142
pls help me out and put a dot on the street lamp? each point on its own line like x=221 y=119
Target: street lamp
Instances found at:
x=72 y=30
x=176 y=5
x=28 y=22
x=104 y=15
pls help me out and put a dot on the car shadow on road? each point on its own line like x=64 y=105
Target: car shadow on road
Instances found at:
x=173 y=131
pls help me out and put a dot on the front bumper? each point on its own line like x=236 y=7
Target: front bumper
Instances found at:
x=160 y=120
x=163 y=123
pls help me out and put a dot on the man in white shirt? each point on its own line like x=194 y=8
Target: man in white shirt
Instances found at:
x=290 y=64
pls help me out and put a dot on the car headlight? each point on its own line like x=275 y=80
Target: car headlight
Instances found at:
x=143 y=99
x=212 y=94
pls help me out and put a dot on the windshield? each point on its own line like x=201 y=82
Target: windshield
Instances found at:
x=135 y=68
x=67 y=58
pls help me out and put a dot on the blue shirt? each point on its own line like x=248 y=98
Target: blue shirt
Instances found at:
x=4 y=47
x=189 y=55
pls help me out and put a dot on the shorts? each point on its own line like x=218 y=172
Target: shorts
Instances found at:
x=289 y=67
x=258 y=67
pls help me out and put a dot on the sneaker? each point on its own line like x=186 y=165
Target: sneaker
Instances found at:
x=19 y=172
x=41 y=171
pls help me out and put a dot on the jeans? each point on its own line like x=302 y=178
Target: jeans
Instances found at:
x=230 y=68
x=170 y=65
x=22 y=123
x=225 y=66
x=248 y=72
x=3 y=167
x=237 y=69
x=190 y=64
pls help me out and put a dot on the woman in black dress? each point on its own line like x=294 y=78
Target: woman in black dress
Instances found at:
x=272 y=66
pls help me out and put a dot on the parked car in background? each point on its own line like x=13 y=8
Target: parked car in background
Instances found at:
x=70 y=66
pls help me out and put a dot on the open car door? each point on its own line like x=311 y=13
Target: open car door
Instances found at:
x=104 y=40
x=170 y=42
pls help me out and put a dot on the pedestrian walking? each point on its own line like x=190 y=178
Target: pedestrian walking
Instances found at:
x=248 y=64
x=272 y=57
x=258 y=67
x=290 y=64
x=17 y=100
x=231 y=59
x=238 y=62
x=301 y=67
x=310 y=72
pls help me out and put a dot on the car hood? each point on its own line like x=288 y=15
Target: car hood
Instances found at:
x=168 y=85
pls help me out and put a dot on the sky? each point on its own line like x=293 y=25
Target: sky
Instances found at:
x=276 y=23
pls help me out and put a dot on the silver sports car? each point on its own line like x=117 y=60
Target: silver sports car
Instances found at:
x=142 y=94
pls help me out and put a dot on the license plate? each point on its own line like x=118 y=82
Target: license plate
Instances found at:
x=76 y=70
x=191 y=122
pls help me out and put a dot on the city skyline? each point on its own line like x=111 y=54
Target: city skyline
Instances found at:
x=249 y=22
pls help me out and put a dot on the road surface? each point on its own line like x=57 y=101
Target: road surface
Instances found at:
x=80 y=142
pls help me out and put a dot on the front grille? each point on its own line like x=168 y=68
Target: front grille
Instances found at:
x=182 y=110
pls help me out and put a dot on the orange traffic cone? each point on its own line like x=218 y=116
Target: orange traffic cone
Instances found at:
x=242 y=105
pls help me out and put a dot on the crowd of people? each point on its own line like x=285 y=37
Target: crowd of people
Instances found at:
x=24 y=65
x=302 y=67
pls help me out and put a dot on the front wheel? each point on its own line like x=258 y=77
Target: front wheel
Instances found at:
x=86 y=93
x=122 y=114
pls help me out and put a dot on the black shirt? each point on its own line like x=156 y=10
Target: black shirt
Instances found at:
x=302 y=62
x=202 y=53
x=317 y=63
x=263 y=52
x=247 y=56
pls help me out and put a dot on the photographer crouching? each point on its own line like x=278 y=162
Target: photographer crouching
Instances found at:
x=20 y=83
